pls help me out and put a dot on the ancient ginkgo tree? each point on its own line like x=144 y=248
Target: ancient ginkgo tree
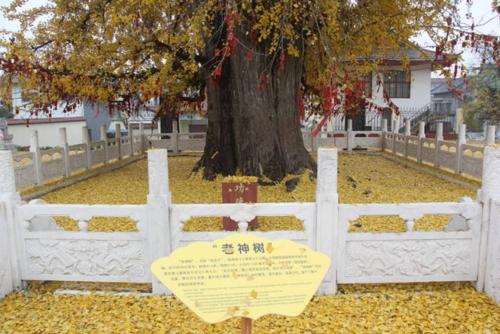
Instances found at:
x=255 y=62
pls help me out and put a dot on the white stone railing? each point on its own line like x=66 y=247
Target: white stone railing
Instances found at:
x=453 y=156
x=345 y=140
x=49 y=253
x=492 y=279
x=178 y=141
x=37 y=166
x=412 y=256
x=33 y=247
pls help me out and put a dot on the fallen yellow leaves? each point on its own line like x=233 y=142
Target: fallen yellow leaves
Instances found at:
x=390 y=308
x=240 y=179
x=362 y=178
x=417 y=308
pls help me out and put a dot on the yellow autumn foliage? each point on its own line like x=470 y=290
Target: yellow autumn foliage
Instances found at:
x=363 y=178
x=239 y=179
x=452 y=308
x=106 y=51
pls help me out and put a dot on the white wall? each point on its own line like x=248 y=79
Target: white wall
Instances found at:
x=48 y=132
x=420 y=89
x=24 y=108
x=420 y=95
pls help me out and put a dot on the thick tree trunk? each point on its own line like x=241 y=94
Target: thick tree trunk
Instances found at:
x=251 y=128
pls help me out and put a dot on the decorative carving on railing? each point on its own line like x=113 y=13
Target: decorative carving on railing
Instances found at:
x=327 y=171
x=7 y=178
x=120 y=258
x=491 y=172
x=408 y=258
x=413 y=255
x=4 y=280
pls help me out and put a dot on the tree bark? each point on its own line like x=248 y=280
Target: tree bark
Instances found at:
x=254 y=128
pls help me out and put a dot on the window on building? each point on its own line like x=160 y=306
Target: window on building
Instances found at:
x=366 y=81
x=397 y=84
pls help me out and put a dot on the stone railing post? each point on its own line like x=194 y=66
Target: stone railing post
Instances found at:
x=407 y=127
x=159 y=129
x=421 y=137
x=63 y=138
x=141 y=135
x=384 y=131
x=159 y=201
x=395 y=126
x=461 y=140
x=104 y=137
x=118 y=140
x=10 y=271
x=459 y=119
x=407 y=135
x=489 y=259
x=439 y=138
x=131 y=139
x=37 y=157
x=350 y=135
x=5 y=138
x=394 y=133
x=490 y=135
x=88 y=146
x=327 y=214
x=175 y=138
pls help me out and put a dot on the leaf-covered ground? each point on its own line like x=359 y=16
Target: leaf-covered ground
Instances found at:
x=416 y=308
x=391 y=308
x=363 y=178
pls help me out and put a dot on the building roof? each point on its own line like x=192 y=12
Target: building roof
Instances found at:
x=442 y=87
x=414 y=53
x=437 y=81
x=27 y=121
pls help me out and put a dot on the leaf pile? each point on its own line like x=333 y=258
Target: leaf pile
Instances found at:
x=390 y=308
x=362 y=179
x=240 y=179
x=395 y=308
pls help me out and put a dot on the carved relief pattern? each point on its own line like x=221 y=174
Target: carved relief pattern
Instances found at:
x=472 y=166
x=158 y=172
x=52 y=168
x=408 y=258
x=97 y=156
x=77 y=161
x=86 y=257
x=493 y=269
x=7 y=178
x=400 y=147
x=447 y=160
x=494 y=275
x=491 y=172
x=113 y=152
x=411 y=150
x=491 y=188
x=25 y=175
x=5 y=284
x=428 y=154
x=327 y=170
